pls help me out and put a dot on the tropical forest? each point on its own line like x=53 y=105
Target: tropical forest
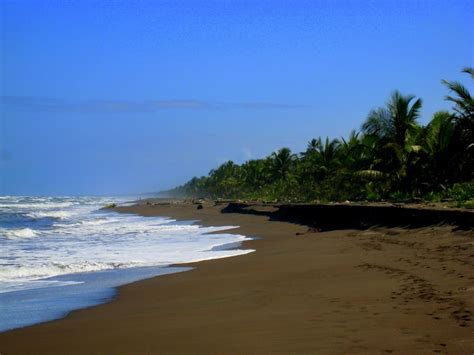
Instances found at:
x=391 y=158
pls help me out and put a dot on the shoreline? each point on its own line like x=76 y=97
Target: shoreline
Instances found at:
x=300 y=291
x=91 y=289
x=82 y=290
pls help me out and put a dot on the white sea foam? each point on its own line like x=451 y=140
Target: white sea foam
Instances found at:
x=51 y=214
x=77 y=238
x=45 y=205
x=18 y=233
x=11 y=286
x=48 y=269
x=85 y=251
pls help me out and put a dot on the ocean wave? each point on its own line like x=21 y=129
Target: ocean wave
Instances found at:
x=11 y=286
x=40 y=205
x=11 y=198
x=18 y=233
x=98 y=221
x=34 y=273
x=60 y=236
x=86 y=226
x=51 y=214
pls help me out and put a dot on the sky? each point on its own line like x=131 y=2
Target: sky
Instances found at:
x=127 y=97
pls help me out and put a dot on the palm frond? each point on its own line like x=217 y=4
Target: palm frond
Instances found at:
x=469 y=70
x=459 y=89
x=377 y=123
x=414 y=112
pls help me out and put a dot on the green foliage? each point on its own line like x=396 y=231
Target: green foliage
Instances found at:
x=467 y=204
x=393 y=157
x=462 y=193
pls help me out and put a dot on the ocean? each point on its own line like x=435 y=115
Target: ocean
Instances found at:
x=59 y=254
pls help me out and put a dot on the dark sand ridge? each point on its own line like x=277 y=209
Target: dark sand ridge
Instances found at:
x=378 y=290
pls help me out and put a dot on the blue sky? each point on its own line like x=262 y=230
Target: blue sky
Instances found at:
x=109 y=97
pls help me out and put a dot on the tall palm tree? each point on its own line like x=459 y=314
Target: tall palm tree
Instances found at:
x=255 y=173
x=224 y=180
x=314 y=145
x=350 y=150
x=438 y=144
x=227 y=169
x=327 y=154
x=463 y=102
x=464 y=114
x=397 y=122
x=283 y=160
x=396 y=130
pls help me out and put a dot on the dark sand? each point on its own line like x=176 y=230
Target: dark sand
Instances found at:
x=352 y=291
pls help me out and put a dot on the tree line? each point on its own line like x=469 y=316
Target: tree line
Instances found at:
x=392 y=157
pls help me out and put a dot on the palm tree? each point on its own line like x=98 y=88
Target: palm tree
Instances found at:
x=397 y=131
x=464 y=120
x=327 y=154
x=224 y=181
x=255 y=174
x=320 y=157
x=397 y=121
x=350 y=150
x=463 y=102
x=438 y=144
x=463 y=116
x=227 y=169
x=283 y=161
x=313 y=146
x=393 y=156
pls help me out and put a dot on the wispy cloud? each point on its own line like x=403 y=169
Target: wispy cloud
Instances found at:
x=129 y=106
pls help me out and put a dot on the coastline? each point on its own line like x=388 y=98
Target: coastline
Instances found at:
x=364 y=291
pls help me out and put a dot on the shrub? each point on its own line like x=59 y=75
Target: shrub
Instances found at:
x=462 y=193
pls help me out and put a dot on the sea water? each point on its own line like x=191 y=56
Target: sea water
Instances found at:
x=58 y=254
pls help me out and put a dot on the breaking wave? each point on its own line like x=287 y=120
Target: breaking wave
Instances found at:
x=18 y=233
x=46 y=237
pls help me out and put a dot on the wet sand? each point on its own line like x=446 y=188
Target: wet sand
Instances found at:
x=379 y=290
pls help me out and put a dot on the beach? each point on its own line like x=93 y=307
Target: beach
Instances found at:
x=303 y=290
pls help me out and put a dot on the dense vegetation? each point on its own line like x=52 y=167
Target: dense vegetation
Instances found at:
x=392 y=157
